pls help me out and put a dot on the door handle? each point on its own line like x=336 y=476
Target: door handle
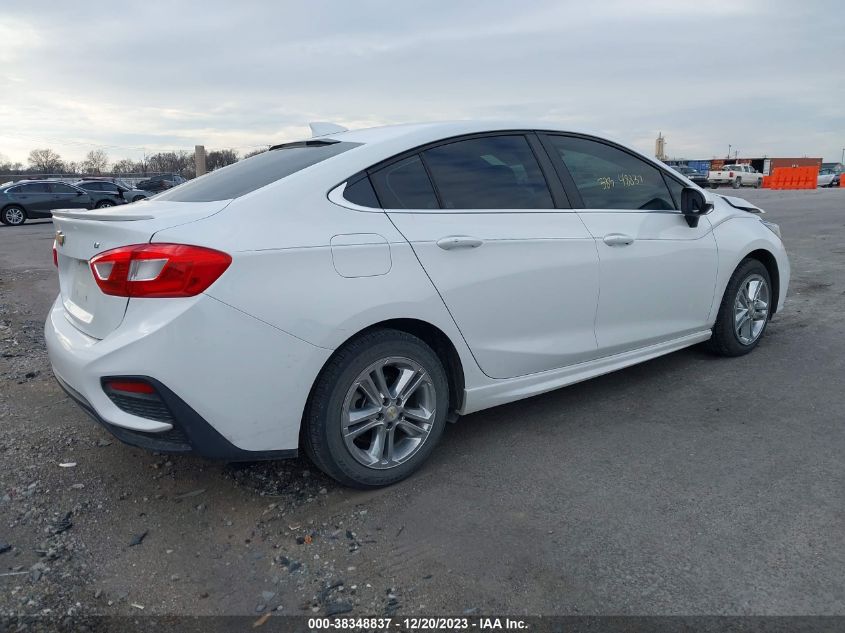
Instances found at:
x=618 y=239
x=459 y=241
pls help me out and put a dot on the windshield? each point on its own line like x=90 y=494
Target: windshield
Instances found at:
x=255 y=172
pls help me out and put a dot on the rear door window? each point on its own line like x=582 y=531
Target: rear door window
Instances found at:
x=405 y=185
x=35 y=187
x=495 y=172
x=58 y=187
x=361 y=192
x=255 y=172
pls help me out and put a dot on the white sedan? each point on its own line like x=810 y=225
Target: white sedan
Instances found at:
x=351 y=293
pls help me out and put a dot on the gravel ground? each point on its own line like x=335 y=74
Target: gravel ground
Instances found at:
x=685 y=485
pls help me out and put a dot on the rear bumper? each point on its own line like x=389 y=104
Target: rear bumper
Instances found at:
x=190 y=433
x=241 y=384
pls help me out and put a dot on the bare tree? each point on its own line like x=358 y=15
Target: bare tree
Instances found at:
x=220 y=158
x=96 y=161
x=127 y=166
x=181 y=163
x=8 y=167
x=45 y=161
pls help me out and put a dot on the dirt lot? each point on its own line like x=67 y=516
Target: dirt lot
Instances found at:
x=686 y=485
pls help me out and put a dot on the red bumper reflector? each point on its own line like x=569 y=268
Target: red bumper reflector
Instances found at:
x=130 y=386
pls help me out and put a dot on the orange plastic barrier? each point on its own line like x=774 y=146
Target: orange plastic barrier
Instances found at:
x=792 y=178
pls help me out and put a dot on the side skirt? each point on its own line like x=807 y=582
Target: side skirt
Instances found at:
x=503 y=391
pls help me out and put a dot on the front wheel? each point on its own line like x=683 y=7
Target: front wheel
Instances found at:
x=13 y=215
x=104 y=204
x=377 y=409
x=744 y=311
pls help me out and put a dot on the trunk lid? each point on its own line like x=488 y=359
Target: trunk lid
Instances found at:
x=84 y=234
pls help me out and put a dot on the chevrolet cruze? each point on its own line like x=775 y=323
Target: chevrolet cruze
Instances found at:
x=351 y=293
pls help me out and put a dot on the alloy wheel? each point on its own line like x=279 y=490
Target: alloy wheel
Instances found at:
x=388 y=412
x=13 y=216
x=751 y=309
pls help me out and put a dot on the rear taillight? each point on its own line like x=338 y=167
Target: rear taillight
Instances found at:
x=55 y=255
x=730 y=174
x=158 y=270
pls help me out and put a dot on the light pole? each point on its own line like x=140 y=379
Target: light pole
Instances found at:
x=843 y=156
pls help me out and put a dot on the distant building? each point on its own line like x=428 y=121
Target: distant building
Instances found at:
x=660 y=147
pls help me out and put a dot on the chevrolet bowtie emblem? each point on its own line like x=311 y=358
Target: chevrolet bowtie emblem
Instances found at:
x=60 y=238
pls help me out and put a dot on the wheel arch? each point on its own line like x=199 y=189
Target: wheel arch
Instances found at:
x=768 y=260
x=435 y=338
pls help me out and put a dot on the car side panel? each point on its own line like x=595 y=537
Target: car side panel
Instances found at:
x=282 y=253
x=736 y=237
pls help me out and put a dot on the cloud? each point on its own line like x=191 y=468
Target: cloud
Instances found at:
x=762 y=76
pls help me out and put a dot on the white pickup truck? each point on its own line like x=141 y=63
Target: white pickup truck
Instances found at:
x=736 y=176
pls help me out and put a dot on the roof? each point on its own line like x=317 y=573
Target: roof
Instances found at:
x=418 y=133
x=380 y=143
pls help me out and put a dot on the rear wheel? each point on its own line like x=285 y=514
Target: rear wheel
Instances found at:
x=377 y=410
x=13 y=215
x=102 y=204
x=737 y=183
x=744 y=311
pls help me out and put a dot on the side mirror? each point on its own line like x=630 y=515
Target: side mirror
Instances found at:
x=694 y=205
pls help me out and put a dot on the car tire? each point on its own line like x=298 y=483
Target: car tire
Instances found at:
x=332 y=437
x=137 y=198
x=730 y=335
x=104 y=204
x=737 y=183
x=13 y=215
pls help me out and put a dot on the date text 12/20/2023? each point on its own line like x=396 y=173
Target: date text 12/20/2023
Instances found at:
x=418 y=624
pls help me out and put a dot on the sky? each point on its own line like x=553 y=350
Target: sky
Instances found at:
x=766 y=77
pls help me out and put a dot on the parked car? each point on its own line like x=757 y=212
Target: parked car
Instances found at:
x=349 y=294
x=828 y=178
x=160 y=183
x=108 y=194
x=694 y=175
x=31 y=199
x=736 y=176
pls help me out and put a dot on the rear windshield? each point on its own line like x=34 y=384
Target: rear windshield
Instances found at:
x=255 y=172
